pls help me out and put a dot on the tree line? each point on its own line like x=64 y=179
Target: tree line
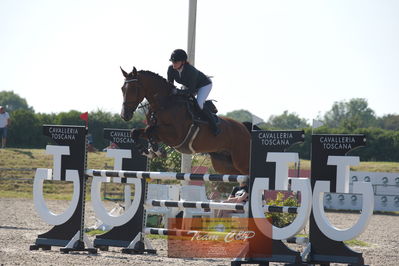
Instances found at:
x=345 y=117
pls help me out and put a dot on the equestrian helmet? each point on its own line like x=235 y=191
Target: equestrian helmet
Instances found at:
x=178 y=55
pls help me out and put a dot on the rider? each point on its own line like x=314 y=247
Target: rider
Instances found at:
x=194 y=81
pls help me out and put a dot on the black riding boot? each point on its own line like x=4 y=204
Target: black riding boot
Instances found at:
x=212 y=121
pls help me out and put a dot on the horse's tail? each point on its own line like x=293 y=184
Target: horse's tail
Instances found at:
x=251 y=126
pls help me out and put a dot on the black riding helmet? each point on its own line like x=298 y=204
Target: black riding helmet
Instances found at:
x=178 y=55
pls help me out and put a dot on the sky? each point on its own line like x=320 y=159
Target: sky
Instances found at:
x=265 y=56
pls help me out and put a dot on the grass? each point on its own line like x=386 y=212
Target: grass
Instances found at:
x=356 y=242
x=352 y=242
x=95 y=232
x=389 y=167
x=21 y=182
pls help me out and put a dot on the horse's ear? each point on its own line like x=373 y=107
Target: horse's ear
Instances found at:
x=134 y=71
x=124 y=72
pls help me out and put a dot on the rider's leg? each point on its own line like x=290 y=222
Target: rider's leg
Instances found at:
x=202 y=95
x=212 y=121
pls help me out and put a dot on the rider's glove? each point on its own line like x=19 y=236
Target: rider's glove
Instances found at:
x=183 y=93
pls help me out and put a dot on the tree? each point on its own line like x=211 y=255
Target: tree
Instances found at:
x=287 y=121
x=350 y=115
x=99 y=120
x=26 y=130
x=389 y=121
x=240 y=115
x=13 y=101
x=69 y=118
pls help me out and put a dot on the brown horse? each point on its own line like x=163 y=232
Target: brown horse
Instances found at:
x=170 y=121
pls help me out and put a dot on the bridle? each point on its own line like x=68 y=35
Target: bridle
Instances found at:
x=130 y=80
x=126 y=104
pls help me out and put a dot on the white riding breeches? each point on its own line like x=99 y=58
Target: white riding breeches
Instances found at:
x=202 y=94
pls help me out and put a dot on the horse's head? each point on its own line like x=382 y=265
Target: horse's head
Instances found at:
x=132 y=94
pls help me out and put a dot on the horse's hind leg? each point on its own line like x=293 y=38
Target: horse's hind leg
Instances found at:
x=222 y=164
x=240 y=158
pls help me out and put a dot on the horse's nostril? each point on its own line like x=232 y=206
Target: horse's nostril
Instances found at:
x=126 y=115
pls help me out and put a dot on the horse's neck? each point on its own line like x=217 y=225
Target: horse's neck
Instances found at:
x=158 y=89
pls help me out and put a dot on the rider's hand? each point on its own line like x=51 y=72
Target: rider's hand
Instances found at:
x=182 y=93
x=185 y=93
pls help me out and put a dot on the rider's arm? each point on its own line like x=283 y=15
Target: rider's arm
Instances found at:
x=171 y=78
x=243 y=197
x=233 y=192
x=191 y=76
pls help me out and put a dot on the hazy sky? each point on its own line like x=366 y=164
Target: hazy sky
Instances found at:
x=265 y=56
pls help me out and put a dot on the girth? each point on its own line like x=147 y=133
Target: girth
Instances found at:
x=187 y=145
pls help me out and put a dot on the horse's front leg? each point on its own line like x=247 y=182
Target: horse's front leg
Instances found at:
x=153 y=139
x=140 y=133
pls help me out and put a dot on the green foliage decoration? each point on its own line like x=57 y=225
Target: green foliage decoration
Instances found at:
x=282 y=219
x=170 y=163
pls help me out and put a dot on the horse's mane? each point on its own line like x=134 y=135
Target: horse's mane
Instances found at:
x=157 y=76
x=170 y=100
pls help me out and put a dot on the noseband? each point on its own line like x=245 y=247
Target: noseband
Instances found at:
x=130 y=80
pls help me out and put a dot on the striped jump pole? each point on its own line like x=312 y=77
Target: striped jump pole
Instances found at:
x=304 y=241
x=195 y=204
x=166 y=175
x=280 y=209
x=177 y=232
x=216 y=205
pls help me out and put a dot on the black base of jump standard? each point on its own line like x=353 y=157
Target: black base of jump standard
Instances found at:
x=78 y=246
x=261 y=262
x=139 y=248
x=37 y=247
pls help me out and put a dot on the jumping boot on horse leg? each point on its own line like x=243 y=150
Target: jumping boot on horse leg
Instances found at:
x=157 y=150
x=142 y=150
x=212 y=121
x=135 y=134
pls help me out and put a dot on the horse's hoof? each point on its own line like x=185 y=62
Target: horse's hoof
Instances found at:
x=152 y=154
x=135 y=133
x=148 y=155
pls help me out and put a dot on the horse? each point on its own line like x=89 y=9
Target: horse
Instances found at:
x=170 y=121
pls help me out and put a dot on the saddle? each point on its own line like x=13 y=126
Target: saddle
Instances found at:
x=200 y=116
